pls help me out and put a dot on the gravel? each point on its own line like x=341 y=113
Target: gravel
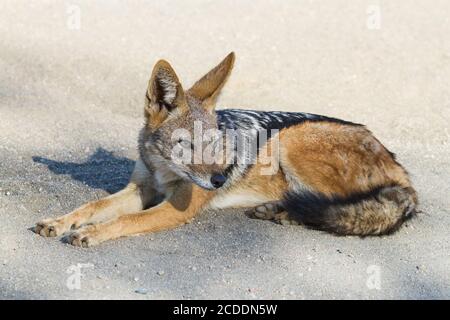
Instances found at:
x=71 y=106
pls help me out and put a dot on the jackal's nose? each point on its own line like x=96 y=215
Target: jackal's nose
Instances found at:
x=218 y=180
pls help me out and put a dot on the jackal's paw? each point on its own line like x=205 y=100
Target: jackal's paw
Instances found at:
x=266 y=211
x=272 y=211
x=50 y=228
x=84 y=237
x=284 y=219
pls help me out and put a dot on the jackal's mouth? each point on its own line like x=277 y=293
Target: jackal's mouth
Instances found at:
x=201 y=182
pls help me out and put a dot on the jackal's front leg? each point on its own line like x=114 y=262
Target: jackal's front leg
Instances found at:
x=138 y=194
x=179 y=209
x=124 y=201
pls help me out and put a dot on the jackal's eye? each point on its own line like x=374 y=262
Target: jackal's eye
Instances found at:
x=185 y=143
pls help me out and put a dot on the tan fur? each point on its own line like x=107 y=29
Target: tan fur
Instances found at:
x=336 y=159
x=207 y=89
x=127 y=200
x=122 y=214
x=154 y=112
x=180 y=209
x=328 y=158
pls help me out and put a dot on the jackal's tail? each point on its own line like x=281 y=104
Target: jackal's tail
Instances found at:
x=380 y=211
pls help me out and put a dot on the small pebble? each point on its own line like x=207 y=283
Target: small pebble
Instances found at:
x=160 y=273
x=141 y=291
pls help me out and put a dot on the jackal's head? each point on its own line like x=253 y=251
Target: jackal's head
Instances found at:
x=176 y=122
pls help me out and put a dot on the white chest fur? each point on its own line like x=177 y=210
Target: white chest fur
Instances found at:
x=238 y=199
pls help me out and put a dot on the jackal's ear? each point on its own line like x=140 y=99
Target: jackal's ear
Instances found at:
x=164 y=93
x=207 y=89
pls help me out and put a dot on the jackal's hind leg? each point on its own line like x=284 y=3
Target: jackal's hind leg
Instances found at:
x=272 y=211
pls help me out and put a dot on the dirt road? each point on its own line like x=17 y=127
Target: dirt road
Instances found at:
x=72 y=79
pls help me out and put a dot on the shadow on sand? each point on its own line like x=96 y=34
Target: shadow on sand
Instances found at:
x=102 y=170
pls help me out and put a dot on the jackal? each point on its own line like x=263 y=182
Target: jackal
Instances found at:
x=330 y=174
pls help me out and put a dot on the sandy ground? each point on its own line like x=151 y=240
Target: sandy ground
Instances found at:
x=71 y=105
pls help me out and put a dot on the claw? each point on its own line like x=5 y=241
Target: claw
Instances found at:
x=50 y=227
x=81 y=238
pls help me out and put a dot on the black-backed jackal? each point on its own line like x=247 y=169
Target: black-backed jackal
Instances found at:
x=330 y=174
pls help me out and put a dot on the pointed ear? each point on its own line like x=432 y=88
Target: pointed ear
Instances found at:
x=164 y=92
x=207 y=89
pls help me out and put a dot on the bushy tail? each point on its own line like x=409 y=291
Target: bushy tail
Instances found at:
x=380 y=211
